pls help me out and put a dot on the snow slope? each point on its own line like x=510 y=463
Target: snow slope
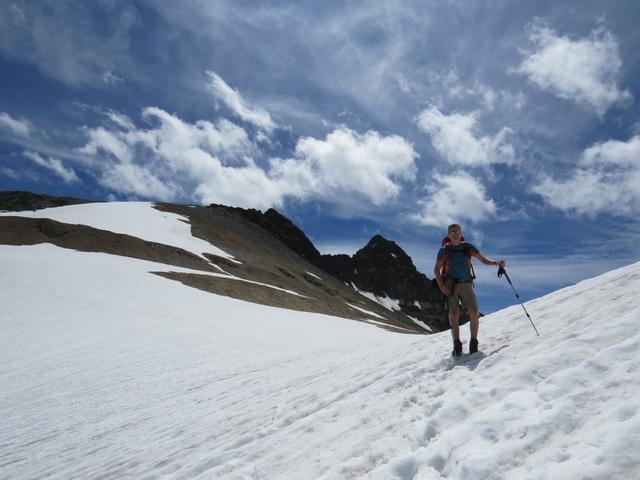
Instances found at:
x=108 y=371
x=138 y=219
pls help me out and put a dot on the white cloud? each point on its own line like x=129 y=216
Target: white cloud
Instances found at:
x=606 y=180
x=16 y=127
x=102 y=140
x=8 y=172
x=213 y=162
x=172 y=158
x=174 y=138
x=234 y=101
x=614 y=152
x=54 y=165
x=121 y=120
x=112 y=79
x=131 y=179
x=582 y=70
x=346 y=164
x=454 y=199
x=454 y=138
x=489 y=99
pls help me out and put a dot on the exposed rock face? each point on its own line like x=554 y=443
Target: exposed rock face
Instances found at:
x=16 y=201
x=385 y=270
x=381 y=267
x=280 y=227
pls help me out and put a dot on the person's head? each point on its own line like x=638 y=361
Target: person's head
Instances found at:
x=454 y=231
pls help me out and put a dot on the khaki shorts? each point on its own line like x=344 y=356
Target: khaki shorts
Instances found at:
x=462 y=293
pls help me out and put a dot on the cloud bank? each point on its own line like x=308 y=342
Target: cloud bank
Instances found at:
x=346 y=163
x=454 y=137
x=215 y=161
x=605 y=181
x=453 y=199
x=583 y=70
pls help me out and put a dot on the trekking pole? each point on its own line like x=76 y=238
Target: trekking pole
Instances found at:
x=502 y=271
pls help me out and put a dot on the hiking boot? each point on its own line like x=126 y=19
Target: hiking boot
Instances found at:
x=473 y=345
x=457 y=348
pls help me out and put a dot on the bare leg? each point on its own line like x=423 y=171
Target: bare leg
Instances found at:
x=474 y=323
x=454 y=321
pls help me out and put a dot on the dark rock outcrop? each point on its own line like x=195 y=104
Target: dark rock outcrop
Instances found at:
x=18 y=201
x=384 y=269
x=278 y=226
x=381 y=267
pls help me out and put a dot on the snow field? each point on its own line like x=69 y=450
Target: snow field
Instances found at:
x=108 y=371
x=134 y=376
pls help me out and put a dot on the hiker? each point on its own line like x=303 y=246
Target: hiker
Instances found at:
x=454 y=274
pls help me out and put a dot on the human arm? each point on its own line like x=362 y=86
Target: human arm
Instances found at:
x=438 y=275
x=489 y=261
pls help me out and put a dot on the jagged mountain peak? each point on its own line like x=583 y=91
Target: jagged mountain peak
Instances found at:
x=385 y=249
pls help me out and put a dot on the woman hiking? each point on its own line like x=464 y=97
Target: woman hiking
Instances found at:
x=454 y=274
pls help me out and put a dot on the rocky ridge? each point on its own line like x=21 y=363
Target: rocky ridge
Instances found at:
x=381 y=269
x=16 y=201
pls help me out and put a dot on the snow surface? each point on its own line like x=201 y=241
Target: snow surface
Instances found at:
x=313 y=275
x=108 y=371
x=138 y=219
x=392 y=304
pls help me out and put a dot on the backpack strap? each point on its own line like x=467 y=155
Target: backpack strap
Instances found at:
x=467 y=252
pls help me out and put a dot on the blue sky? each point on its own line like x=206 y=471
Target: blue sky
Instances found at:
x=518 y=120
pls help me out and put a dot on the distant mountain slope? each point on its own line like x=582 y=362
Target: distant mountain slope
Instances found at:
x=385 y=271
x=227 y=254
x=15 y=201
x=381 y=270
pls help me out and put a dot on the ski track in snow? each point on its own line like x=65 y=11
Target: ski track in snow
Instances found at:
x=110 y=372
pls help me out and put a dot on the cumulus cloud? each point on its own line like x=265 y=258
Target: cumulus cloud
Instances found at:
x=582 y=70
x=614 y=152
x=454 y=138
x=168 y=159
x=137 y=180
x=214 y=162
x=234 y=101
x=605 y=181
x=347 y=163
x=21 y=128
x=68 y=175
x=454 y=199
